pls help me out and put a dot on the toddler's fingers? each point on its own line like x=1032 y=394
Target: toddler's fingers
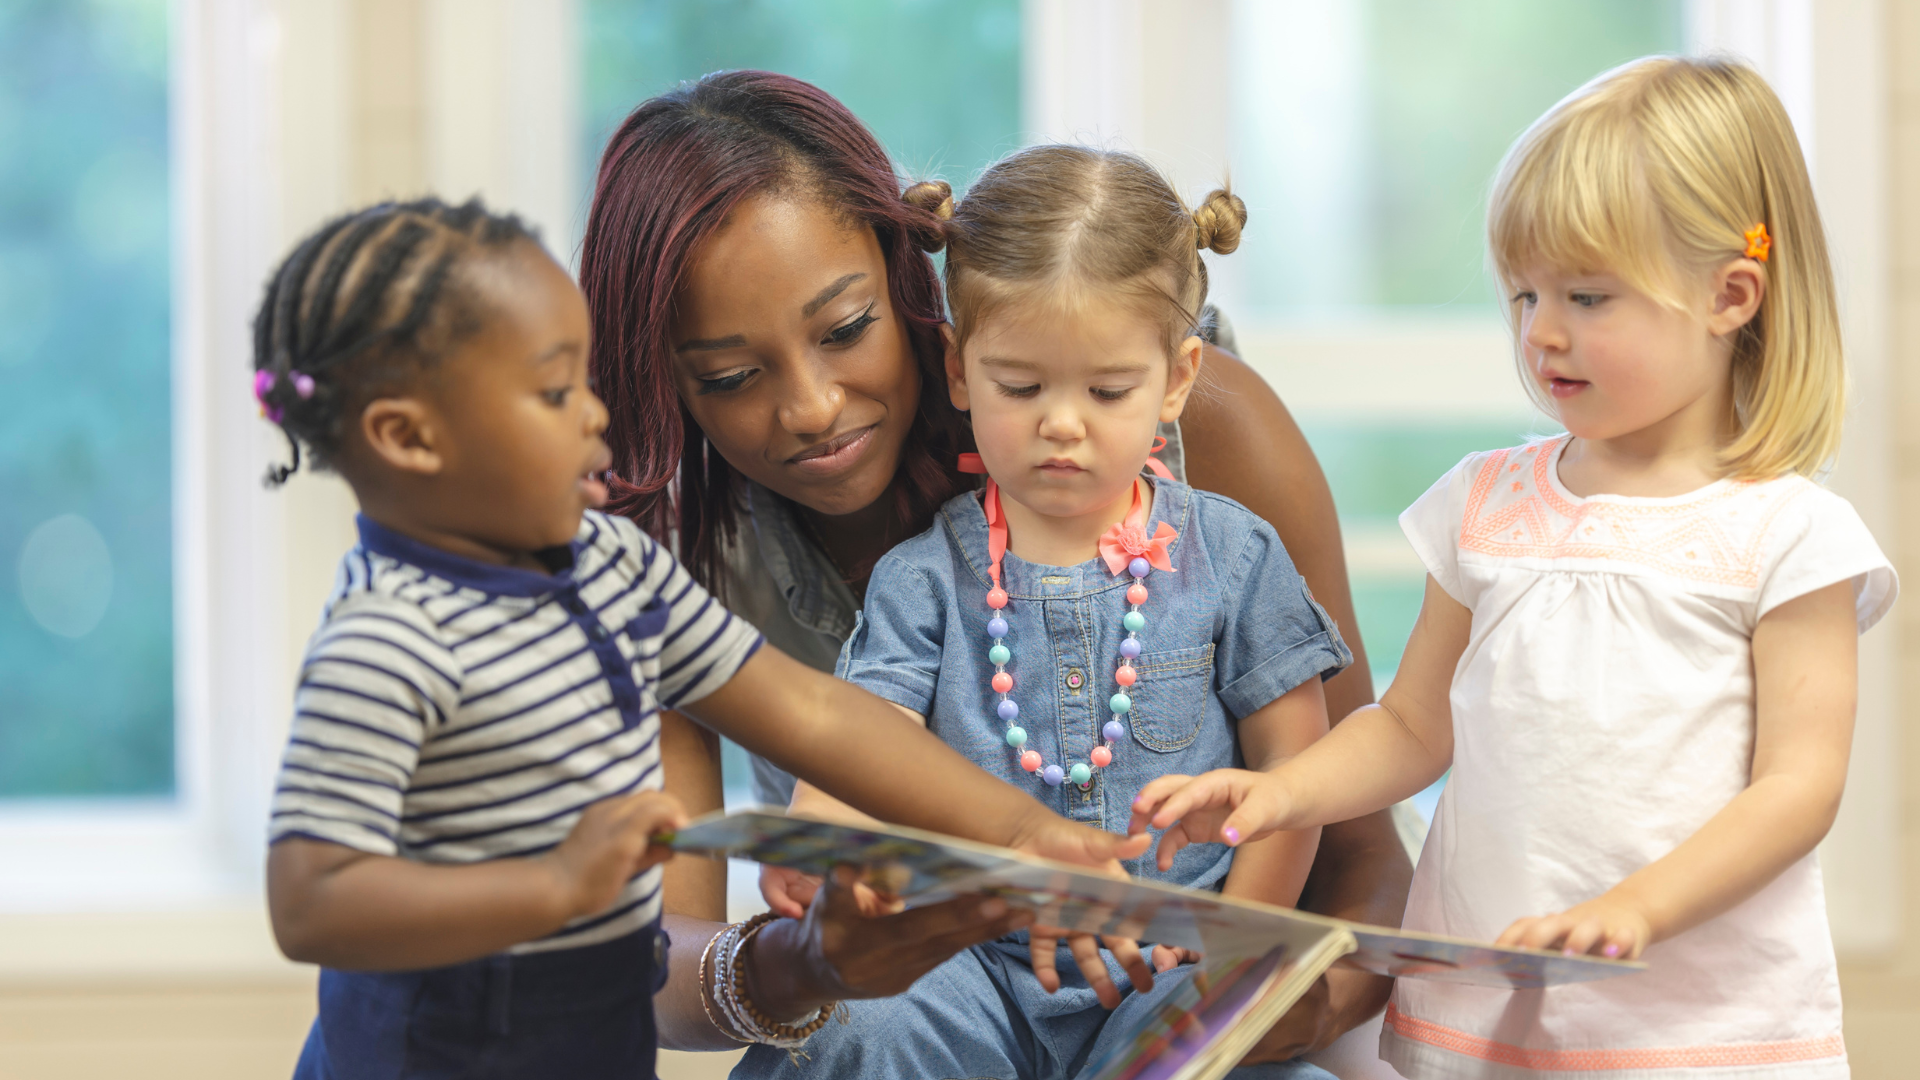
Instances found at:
x=1512 y=935
x=1086 y=953
x=1127 y=952
x=1583 y=936
x=1171 y=842
x=1154 y=793
x=1621 y=944
x=1042 y=949
x=1165 y=959
x=1546 y=932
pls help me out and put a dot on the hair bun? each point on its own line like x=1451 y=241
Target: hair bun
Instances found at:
x=1217 y=222
x=936 y=198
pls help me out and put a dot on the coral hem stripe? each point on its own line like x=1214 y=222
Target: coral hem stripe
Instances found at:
x=1676 y=1057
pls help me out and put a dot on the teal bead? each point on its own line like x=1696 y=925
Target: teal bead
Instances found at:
x=1016 y=737
x=1080 y=773
x=1133 y=621
x=999 y=654
x=1121 y=704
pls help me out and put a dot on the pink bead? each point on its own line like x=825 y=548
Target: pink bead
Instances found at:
x=1136 y=593
x=1002 y=682
x=1030 y=761
x=1101 y=757
x=996 y=598
x=1125 y=675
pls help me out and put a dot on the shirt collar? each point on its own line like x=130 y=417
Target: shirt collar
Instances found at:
x=817 y=597
x=967 y=524
x=471 y=573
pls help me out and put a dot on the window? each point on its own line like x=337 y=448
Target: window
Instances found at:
x=1364 y=140
x=86 y=560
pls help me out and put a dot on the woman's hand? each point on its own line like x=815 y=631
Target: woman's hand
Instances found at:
x=1602 y=926
x=837 y=952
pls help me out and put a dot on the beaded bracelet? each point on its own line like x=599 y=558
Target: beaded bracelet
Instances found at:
x=706 y=1006
x=743 y=1021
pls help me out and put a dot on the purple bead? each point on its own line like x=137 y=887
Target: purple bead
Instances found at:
x=1114 y=731
x=1008 y=710
x=1138 y=567
x=996 y=627
x=1130 y=648
x=1053 y=775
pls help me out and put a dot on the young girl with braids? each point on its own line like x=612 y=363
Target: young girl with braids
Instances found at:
x=465 y=829
x=1086 y=623
x=1637 y=649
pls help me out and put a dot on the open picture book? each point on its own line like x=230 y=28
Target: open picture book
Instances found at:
x=1256 y=960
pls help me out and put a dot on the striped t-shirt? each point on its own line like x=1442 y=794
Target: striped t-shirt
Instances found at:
x=453 y=711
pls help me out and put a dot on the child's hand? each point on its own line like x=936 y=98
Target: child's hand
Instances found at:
x=611 y=844
x=1054 y=837
x=1601 y=926
x=788 y=891
x=1225 y=806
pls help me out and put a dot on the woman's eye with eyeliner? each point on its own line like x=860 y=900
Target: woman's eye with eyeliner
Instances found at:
x=724 y=383
x=848 y=332
x=1017 y=391
x=557 y=397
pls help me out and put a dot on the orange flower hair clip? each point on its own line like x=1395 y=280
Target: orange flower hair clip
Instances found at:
x=1759 y=244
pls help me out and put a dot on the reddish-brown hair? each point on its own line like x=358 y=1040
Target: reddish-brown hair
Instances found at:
x=668 y=180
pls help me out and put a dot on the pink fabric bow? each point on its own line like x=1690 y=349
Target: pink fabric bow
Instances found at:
x=1127 y=540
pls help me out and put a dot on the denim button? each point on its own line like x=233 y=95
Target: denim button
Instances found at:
x=1075 y=680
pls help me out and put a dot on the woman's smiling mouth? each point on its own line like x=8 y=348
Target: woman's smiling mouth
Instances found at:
x=836 y=454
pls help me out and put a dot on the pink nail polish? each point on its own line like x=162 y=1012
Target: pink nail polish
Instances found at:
x=1612 y=951
x=1232 y=834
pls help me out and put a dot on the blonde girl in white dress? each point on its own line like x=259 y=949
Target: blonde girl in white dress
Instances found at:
x=1637 y=647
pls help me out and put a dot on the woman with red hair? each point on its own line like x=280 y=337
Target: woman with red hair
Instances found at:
x=767 y=337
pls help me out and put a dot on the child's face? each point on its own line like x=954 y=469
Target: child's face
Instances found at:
x=1065 y=407
x=502 y=441
x=1615 y=361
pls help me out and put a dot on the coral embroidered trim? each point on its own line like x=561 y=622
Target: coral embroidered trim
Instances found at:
x=1676 y=1057
x=1513 y=511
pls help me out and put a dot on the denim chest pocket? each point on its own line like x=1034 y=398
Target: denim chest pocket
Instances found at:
x=1170 y=697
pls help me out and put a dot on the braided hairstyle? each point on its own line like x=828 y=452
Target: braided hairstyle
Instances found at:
x=360 y=308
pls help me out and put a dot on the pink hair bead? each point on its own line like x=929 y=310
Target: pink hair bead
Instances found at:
x=996 y=598
x=1101 y=757
x=1002 y=682
x=1030 y=761
x=1136 y=593
x=1125 y=675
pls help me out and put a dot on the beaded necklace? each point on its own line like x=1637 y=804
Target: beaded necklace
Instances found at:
x=1125 y=547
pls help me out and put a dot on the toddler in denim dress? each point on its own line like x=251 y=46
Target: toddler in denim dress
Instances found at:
x=1081 y=626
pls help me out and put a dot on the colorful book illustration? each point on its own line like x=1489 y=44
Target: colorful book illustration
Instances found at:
x=1257 y=960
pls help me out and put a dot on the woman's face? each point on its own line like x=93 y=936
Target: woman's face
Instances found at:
x=789 y=355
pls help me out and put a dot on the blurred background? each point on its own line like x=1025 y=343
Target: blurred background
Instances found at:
x=157 y=157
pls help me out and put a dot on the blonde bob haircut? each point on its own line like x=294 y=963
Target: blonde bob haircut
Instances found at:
x=1654 y=172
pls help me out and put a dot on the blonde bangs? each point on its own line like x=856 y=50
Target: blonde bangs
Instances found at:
x=1653 y=172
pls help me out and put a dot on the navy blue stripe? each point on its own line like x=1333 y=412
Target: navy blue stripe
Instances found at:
x=581 y=585
x=557 y=815
x=283 y=787
x=311 y=714
x=559 y=628
x=587 y=717
x=328 y=748
x=632 y=587
x=565 y=781
x=321 y=654
x=542 y=763
x=601 y=920
x=594 y=680
x=584 y=650
x=348 y=661
x=698 y=652
x=302 y=834
x=689 y=685
x=402 y=708
x=303 y=767
x=440 y=624
x=501 y=625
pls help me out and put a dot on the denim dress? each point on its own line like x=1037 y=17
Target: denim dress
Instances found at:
x=1232 y=629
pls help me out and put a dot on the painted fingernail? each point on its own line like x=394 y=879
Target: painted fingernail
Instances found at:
x=1232 y=834
x=1612 y=950
x=1566 y=952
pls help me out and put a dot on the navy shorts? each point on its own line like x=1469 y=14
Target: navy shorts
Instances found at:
x=580 y=1013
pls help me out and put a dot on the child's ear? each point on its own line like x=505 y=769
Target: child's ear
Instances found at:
x=956 y=370
x=401 y=433
x=1738 y=288
x=1184 y=372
